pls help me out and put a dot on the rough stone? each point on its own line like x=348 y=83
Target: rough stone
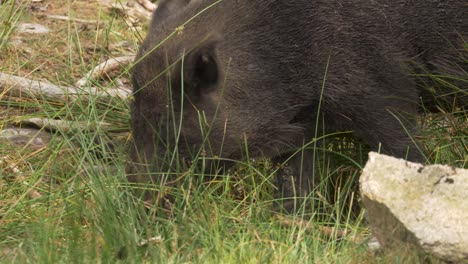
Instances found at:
x=411 y=203
x=22 y=137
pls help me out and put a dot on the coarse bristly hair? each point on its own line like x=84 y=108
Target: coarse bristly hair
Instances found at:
x=273 y=73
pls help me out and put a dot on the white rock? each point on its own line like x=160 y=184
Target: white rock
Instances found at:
x=32 y=28
x=424 y=205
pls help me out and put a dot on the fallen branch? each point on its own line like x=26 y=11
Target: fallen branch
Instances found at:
x=23 y=87
x=104 y=68
x=77 y=20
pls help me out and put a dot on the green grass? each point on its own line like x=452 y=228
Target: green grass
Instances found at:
x=70 y=202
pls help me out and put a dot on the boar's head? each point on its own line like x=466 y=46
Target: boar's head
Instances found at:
x=202 y=84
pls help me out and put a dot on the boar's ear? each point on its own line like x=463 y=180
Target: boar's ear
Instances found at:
x=167 y=8
x=200 y=71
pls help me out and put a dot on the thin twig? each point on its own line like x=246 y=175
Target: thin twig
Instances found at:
x=77 y=20
x=64 y=125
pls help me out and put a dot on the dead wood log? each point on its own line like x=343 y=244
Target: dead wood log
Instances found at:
x=38 y=89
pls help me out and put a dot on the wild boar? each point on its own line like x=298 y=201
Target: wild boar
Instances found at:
x=268 y=76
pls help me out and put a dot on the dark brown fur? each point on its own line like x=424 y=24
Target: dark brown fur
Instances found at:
x=256 y=69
